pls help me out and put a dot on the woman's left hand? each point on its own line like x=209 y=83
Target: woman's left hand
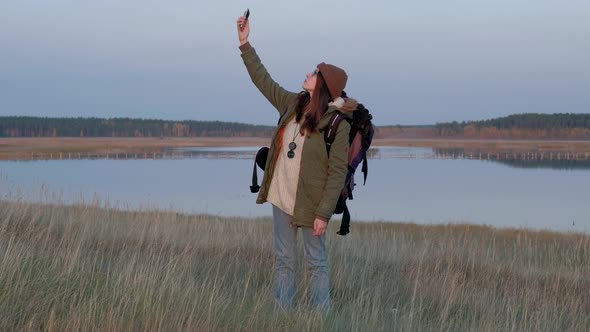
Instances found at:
x=319 y=226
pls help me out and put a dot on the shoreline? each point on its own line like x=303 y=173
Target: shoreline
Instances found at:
x=335 y=220
x=25 y=148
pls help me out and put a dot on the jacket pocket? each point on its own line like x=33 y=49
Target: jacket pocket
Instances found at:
x=312 y=189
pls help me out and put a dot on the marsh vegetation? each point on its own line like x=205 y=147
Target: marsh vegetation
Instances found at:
x=94 y=267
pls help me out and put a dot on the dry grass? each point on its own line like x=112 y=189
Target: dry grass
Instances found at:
x=21 y=148
x=25 y=148
x=88 y=267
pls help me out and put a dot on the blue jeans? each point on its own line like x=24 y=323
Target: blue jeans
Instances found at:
x=285 y=238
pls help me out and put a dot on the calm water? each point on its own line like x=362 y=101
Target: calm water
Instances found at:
x=404 y=184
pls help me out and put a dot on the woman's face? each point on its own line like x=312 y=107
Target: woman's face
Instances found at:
x=310 y=81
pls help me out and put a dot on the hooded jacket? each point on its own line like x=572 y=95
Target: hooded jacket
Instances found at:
x=321 y=178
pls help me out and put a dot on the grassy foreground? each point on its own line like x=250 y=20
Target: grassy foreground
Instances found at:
x=91 y=268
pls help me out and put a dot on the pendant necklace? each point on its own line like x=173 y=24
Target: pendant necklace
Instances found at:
x=292 y=145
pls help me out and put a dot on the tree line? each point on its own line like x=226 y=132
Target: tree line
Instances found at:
x=26 y=126
x=526 y=125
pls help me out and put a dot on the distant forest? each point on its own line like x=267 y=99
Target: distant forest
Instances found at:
x=527 y=125
x=24 y=126
x=518 y=126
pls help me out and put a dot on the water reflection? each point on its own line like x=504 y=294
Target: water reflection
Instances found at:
x=549 y=159
x=552 y=164
x=404 y=184
x=557 y=160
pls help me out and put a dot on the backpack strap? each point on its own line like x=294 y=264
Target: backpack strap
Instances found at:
x=281 y=117
x=365 y=169
x=254 y=188
x=345 y=223
x=367 y=142
x=329 y=137
x=330 y=132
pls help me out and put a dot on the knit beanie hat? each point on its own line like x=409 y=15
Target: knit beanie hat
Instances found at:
x=335 y=79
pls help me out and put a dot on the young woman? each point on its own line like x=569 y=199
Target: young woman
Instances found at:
x=300 y=180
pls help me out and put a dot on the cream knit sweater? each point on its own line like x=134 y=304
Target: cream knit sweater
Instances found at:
x=283 y=186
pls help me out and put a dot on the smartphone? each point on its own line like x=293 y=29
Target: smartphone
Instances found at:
x=246 y=14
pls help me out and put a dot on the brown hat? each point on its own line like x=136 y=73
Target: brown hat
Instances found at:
x=335 y=79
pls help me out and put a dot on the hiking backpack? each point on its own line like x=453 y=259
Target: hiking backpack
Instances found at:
x=360 y=138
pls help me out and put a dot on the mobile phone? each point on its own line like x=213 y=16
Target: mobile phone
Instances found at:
x=246 y=14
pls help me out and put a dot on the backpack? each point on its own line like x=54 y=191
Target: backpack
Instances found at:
x=360 y=138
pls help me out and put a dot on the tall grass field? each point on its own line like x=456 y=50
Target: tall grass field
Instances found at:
x=86 y=267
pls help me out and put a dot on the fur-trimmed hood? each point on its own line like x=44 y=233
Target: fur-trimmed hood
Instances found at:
x=344 y=104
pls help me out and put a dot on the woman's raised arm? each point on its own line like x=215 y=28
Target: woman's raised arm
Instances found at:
x=276 y=94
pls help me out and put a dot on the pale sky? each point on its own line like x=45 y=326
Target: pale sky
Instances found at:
x=417 y=62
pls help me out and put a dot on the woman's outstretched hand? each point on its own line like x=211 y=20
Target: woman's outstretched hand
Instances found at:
x=244 y=31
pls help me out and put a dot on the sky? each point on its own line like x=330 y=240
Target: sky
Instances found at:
x=410 y=62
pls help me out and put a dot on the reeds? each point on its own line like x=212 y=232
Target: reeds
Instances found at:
x=87 y=267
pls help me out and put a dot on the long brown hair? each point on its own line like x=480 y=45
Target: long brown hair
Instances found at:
x=312 y=107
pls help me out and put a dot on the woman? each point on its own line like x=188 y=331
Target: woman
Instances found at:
x=300 y=180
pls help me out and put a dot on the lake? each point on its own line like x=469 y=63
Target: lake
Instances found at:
x=421 y=185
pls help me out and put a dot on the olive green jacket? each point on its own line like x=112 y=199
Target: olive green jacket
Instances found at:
x=321 y=179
